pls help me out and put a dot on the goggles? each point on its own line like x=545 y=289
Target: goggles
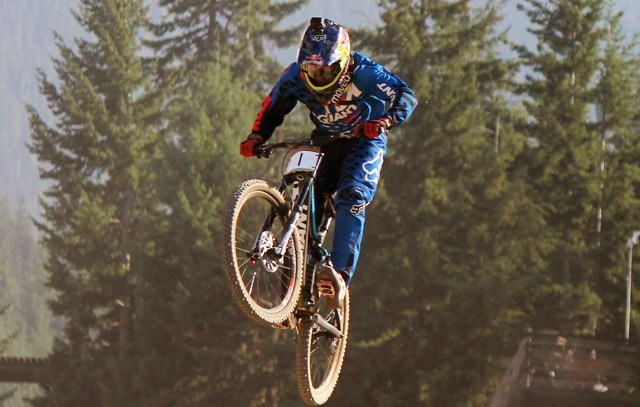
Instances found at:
x=322 y=75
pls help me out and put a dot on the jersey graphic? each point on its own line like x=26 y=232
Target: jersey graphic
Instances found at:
x=387 y=89
x=340 y=112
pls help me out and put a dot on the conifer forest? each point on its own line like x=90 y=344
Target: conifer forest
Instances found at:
x=505 y=201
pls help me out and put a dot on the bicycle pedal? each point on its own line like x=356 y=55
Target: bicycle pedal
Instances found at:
x=325 y=287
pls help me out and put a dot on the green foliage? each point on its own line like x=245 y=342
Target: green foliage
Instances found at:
x=193 y=32
x=486 y=220
x=99 y=200
x=25 y=29
x=26 y=325
x=458 y=229
x=617 y=124
x=578 y=67
x=186 y=301
x=132 y=224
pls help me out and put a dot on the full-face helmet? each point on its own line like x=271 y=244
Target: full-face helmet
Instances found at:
x=324 y=55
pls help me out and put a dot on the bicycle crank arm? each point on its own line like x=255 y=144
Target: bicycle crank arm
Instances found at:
x=322 y=323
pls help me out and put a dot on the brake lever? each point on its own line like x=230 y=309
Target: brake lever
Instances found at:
x=263 y=152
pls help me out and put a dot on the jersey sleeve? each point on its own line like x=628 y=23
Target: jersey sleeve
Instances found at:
x=278 y=103
x=387 y=86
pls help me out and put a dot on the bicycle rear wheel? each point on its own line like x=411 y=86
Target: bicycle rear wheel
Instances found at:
x=320 y=353
x=265 y=288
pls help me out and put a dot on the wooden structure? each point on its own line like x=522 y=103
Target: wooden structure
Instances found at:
x=21 y=370
x=553 y=370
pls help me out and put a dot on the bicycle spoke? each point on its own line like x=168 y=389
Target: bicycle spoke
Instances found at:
x=243 y=265
x=251 y=283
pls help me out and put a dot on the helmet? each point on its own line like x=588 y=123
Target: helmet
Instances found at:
x=324 y=55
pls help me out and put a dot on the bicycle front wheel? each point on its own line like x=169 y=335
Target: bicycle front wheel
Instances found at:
x=265 y=287
x=320 y=352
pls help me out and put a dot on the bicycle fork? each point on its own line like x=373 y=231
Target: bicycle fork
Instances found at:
x=276 y=253
x=297 y=209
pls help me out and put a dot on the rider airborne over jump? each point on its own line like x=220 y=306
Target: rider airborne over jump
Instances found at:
x=345 y=93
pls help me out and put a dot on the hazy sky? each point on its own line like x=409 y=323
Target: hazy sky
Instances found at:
x=17 y=164
x=360 y=13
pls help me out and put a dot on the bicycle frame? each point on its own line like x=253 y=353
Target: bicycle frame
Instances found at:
x=273 y=276
x=298 y=184
x=301 y=180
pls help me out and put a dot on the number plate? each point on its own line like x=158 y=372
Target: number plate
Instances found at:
x=303 y=161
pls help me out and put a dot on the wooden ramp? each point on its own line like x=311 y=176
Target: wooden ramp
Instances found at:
x=21 y=370
x=554 y=370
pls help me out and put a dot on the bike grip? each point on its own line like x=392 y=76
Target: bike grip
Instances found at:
x=262 y=151
x=249 y=146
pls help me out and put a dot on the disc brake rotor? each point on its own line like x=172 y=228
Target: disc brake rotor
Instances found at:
x=266 y=242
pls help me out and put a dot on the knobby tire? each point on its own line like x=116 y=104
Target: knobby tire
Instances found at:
x=318 y=367
x=264 y=295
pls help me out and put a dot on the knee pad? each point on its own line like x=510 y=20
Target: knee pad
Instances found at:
x=353 y=196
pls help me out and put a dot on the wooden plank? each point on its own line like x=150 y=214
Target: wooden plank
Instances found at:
x=21 y=369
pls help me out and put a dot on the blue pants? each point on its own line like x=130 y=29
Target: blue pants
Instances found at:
x=351 y=168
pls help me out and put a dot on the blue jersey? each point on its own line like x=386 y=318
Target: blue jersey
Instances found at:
x=368 y=91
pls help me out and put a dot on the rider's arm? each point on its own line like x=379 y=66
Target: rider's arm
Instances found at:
x=386 y=86
x=278 y=103
x=402 y=104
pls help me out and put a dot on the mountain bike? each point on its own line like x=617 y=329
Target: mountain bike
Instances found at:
x=273 y=250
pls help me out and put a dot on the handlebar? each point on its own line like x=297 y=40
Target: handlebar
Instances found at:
x=266 y=150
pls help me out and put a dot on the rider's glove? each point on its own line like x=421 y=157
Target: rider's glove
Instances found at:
x=374 y=128
x=248 y=146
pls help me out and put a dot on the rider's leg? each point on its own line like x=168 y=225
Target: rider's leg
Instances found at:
x=327 y=177
x=357 y=185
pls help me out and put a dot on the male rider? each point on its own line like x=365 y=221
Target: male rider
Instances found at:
x=345 y=93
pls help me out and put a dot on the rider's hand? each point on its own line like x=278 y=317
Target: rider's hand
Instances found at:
x=374 y=128
x=248 y=146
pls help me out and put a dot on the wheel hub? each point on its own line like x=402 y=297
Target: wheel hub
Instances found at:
x=266 y=254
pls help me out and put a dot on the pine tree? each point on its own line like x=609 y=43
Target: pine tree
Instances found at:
x=25 y=328
x=222 y=356
x=563 y=167
x=197 y=347
x=95 y=160
x=26 y=259
x=132 y=223
x=194 y=31
x=618 y=118
x=216 y=354
x=457 y=228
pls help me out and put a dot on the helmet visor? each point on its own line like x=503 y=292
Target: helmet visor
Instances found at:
x=322 y=75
